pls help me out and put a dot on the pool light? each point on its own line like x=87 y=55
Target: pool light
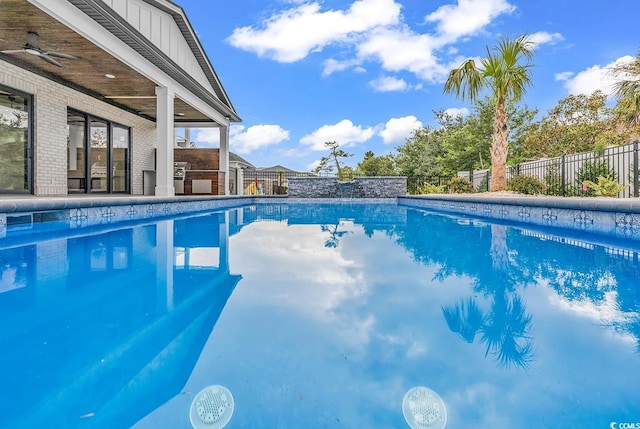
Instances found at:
x=212 y=408
x=423 y=408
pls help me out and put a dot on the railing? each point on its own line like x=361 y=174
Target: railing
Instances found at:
x=256 y=182
x=564 y=175
x=415 y=184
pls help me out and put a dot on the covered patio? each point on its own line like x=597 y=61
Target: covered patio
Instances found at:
x=100 y=87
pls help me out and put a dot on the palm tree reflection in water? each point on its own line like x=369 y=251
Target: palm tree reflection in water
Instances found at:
x=505 y=329
x=506 y=325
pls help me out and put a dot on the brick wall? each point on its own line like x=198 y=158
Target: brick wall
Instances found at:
x=199 y=158
x=50 y=129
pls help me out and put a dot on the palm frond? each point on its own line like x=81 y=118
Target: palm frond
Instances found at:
x=465 y=81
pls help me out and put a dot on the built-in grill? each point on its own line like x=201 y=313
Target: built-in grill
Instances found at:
x=179 y=174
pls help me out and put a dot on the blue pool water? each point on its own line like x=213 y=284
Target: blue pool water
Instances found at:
x=318 y=316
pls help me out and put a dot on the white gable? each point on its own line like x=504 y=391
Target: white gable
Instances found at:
x=160 y=28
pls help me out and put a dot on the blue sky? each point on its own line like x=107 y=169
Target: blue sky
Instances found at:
x=365 y=73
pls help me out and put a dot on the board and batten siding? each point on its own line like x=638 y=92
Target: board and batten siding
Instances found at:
x=160 y=28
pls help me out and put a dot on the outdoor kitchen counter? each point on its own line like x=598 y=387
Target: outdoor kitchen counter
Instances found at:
x=202 y=181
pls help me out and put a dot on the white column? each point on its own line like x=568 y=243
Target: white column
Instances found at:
x=166 y=139
x=165 y=260
x=224 y=156
x=223 y=231
x=240 y=180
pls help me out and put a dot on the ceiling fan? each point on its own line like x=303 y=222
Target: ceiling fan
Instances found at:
x=33 y=47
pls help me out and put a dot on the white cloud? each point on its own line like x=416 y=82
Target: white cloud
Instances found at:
x=332 y=66
x=294 y=33
x=415 y=56
x=389 y=84
x=313 y=165
x=563 y=76
x=344 y=132
x=243 y=140
x=396 y=130
x=592 y=79
x=255 y=137
x=370 y=30
x=457 y=111
x=206 y=137
x=542 y=37
x=467 y=17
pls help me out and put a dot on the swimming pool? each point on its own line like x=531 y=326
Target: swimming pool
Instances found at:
x=318 y=315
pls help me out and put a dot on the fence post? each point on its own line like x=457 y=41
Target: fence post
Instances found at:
x=635 y=169
x=487 y=176
x=562 y=183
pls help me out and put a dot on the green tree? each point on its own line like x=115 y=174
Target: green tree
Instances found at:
x=507 y=78
x=459 y=143
x=463 y=147
x=628 y=87
x=578 y=123
x=418 y=157
x=467 y=142
x=333 y=160
x=373 y=165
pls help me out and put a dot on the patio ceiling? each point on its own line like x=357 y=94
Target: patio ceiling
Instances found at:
x=128 y=89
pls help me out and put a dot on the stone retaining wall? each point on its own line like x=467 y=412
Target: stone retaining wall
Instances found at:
x=360 y=187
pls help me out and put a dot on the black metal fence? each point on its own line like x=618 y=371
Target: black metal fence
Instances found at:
x=565 y=175
x=417 y=184
x=562 y=176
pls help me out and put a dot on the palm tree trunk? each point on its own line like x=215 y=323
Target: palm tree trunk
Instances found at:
x=499 y=148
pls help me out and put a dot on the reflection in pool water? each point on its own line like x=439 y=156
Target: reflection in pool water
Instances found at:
x=318 y=316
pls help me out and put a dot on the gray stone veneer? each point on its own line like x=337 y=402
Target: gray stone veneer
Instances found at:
x=604 y=216
x=360 y=187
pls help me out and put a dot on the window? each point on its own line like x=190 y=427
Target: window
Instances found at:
x=98 y=155
x=16 y=146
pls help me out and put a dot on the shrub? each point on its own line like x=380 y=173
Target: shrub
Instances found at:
x=590 y=171
x=460 y=185
x=484 y=184
x=553 y=179
x=605 y=187
x=526 y=185
x=428 y=188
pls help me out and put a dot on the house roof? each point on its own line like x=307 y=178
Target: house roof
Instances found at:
x=233 y=157
x=279 y=167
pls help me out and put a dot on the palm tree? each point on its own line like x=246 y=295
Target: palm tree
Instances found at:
x=628 y=87
x=502 y=72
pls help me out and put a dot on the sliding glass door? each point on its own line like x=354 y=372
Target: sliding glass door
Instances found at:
x=120 y=158
x=104 y=148
x=99 y=155
x=16 y=163
x=76 y=152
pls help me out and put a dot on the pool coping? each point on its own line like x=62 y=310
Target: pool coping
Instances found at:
x=16 y=204
x=625 y=205
x=603 y=216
